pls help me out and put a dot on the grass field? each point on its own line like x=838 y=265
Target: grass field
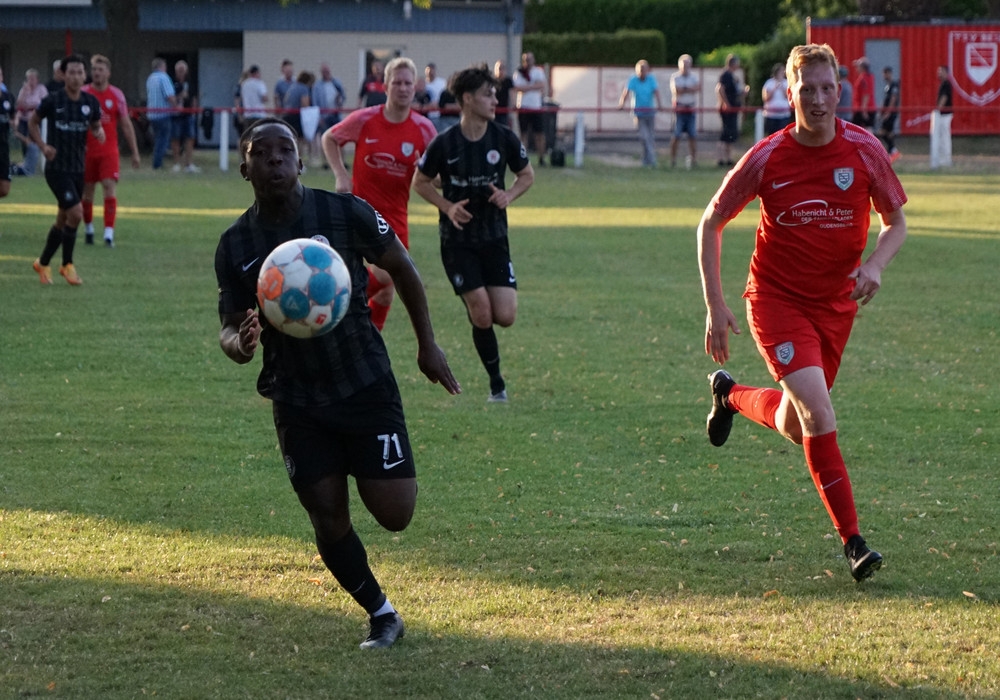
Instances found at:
x=583 y=541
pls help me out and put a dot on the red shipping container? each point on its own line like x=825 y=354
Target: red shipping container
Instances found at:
x=971 y=51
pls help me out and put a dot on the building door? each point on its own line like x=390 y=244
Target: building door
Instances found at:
x=217 y=86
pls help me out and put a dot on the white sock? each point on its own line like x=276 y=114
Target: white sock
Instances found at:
x=109 y=233
x=89 y=229
x=385 y=609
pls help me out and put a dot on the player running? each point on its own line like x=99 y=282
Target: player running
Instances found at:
x=337 y=409
x=471 y=161
x=389 y=139
x=102 y=163
x=816 y=182
x=71 y=114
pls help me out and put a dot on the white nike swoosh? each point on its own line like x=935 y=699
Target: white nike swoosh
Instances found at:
x=371 y=140
x=386 y=465
x=453 y=160
x=779 y=185
x=826 y=486
x=250 y=264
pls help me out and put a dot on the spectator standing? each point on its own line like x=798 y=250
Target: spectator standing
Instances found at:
x=470 y=162
x=328 y=94
x=777 y=111
x=8 y=110
x=505 y=86
x=864 y=95
x=941 y=121
x=30 y=95
x=71 y=114
x=645 y=101
x=284 y=83
x=58 y=81
x=373 y=86
x=530 y=84
x=160 y=101
x=730 y=93
x=103 y=161
x=253 y=95
x=434 y=85
x=684 y=88
x=183 y=124
x=388 y=140
x=889 y=113
x=297 y=97
x=845 y=106
x=808 y=275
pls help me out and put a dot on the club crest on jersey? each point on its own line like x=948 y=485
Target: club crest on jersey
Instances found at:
x=407 y=149
x=109 y=103
x=843 y=177
x=493 y=156
x=784 y=353
x=383 y=225
x=85 y=109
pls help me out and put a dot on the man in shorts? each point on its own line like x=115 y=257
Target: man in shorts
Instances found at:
x=684 y=89
x=72 y=113
x=817 y=183
x=388 y=140
x=471 y=164
x=103 y=160
x=337 y=408
x=8 y=108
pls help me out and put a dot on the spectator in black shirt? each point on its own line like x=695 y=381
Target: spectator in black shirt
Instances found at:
x=337 y=409
x=71 y=113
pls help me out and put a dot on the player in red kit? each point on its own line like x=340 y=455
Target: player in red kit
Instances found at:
x=102 y=162
x=389 y=139
x=817 y=181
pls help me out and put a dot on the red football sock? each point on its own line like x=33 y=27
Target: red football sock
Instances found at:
x=759 y=405
x=829 y=473
x=379 y=313
x=110 y=208
x=88 y=211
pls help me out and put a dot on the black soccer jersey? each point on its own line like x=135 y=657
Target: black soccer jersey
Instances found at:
x=314 y=371
x=69 y=122
x=7 y=110
x=467 y=169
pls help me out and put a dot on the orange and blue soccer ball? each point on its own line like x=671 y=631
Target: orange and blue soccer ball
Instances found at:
x=304 y=288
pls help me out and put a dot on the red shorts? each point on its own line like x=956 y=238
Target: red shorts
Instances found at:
x=790 y=336
x=101 y=166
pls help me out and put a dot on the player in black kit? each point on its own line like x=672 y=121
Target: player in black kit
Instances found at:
x=472 y=158
x=71 y=113
x=337 y=409
x=7 y=111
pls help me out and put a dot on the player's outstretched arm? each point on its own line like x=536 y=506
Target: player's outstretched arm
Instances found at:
x=335 y=157
x=719 y=317
x=455 y=211
x=430 y=358
x=240 y=335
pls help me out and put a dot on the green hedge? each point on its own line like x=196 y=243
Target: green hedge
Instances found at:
x=688 y=26
x=623 y=48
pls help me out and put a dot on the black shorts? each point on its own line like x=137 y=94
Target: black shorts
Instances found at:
x=488 y=265
x=5 y=162
x=730 y=127
x=364 y=436
x=67 y=187
x=888 y=124
x=864 y=119
x=531 y=121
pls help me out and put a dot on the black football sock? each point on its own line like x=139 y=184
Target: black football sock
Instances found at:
x=348 y=562
x=52 y=243
x=68 y=243
x=485 y=340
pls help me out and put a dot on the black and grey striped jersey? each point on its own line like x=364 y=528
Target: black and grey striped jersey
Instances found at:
x=467 y=169
x=326 y=369
x=69 y=122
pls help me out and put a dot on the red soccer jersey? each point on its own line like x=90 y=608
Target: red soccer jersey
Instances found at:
x=385 y=157
x=113 y=108
x=815 y=207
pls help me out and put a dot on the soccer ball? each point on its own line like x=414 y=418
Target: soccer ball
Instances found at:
x=304 y=288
